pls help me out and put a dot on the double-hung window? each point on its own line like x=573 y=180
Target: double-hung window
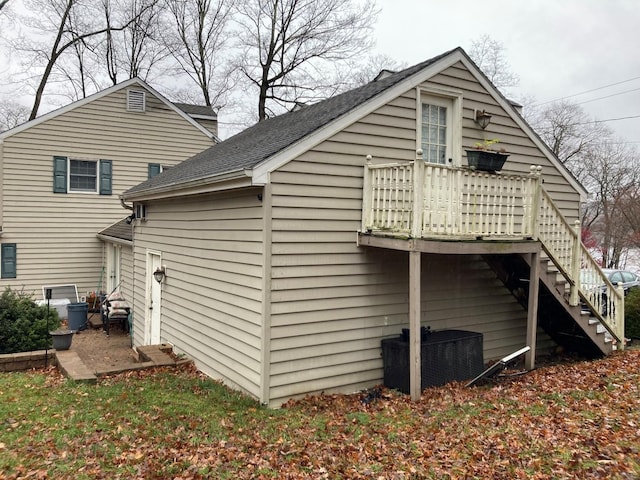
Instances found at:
x=81 y=176
x=439 y=135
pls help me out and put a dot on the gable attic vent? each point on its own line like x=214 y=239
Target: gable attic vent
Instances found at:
x=136 y=100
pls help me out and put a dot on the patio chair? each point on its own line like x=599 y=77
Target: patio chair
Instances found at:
x=115 y=309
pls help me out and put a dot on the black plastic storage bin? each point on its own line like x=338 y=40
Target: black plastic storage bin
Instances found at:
x=445 y=356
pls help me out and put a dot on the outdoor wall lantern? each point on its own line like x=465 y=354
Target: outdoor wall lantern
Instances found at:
x=482 y=118
x=159 y=274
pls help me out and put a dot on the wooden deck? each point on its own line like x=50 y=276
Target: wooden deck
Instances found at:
x=426 y=208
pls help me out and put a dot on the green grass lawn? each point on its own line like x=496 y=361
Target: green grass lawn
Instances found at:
x=579 y=420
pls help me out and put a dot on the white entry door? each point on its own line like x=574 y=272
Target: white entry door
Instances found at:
x=113 y=266
x=153 y=301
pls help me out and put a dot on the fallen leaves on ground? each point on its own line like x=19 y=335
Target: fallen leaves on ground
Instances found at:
x=576 y=420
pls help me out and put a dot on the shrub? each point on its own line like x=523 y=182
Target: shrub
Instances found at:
x=632 y=314
x=23 y=324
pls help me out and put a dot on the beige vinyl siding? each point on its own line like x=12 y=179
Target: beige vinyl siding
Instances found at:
x=333 y=302
x=56 y=233
x=523 y=151
x=212 y=295
x=211 y=125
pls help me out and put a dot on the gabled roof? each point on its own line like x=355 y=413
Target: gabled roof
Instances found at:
x=247 y=158
x=103 y=93
x=119 y=232
x=263 y=140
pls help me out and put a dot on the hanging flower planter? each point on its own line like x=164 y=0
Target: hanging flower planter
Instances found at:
x=485 y=157
x=62 y=339
x=486 y=160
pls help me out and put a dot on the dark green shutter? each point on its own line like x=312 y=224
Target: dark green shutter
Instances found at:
x=8 y=254
x=59 y=174
x=154 y=169
x=105 y=177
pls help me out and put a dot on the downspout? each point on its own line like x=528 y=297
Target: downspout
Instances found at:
x=124 y=205
x=131 y=318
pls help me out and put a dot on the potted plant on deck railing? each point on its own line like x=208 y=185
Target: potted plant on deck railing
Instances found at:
x=483 y=156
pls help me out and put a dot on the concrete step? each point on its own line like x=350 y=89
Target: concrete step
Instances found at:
x=73 y=367
x=158 y=354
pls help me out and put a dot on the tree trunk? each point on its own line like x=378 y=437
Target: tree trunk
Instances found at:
x=52 y=61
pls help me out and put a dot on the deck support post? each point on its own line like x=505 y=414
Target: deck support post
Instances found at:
x=532 y=310
x=415 y=374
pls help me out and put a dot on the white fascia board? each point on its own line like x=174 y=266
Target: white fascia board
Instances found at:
x=103 y=93
x=216 y=183
x=525 y=128
x=120 y=241
x=261 y=172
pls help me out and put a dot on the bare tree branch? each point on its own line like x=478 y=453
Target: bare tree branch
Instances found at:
x=612 y=173
x=609 y=170
x=12 y=114
x=289 y=43
x=490 y=56
x=72 y=23
x=197 y=40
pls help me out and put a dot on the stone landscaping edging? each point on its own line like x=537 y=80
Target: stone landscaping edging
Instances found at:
x=15 y=362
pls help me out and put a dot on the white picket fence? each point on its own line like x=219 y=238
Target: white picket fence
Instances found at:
x=422 y=200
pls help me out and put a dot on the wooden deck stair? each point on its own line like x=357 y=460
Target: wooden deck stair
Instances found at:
x=576 y=327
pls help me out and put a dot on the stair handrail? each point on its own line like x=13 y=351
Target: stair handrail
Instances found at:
x=603 y=298
x=588 y=283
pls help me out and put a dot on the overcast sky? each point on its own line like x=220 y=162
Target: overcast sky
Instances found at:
x=558 y=48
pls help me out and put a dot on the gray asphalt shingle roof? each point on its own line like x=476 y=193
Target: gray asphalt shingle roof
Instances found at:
x=120 y=230
x=265 y=139
x=196 y=109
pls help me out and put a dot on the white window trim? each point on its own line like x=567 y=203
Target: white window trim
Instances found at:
x=452 y=99
x=97 y=164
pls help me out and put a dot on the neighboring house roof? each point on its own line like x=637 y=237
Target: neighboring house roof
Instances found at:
x=133 y=81
x=249 y=156
x=197 y=111
x=119 y=232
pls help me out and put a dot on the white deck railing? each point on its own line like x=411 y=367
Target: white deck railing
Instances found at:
x=421 y=200
x=426 y=201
